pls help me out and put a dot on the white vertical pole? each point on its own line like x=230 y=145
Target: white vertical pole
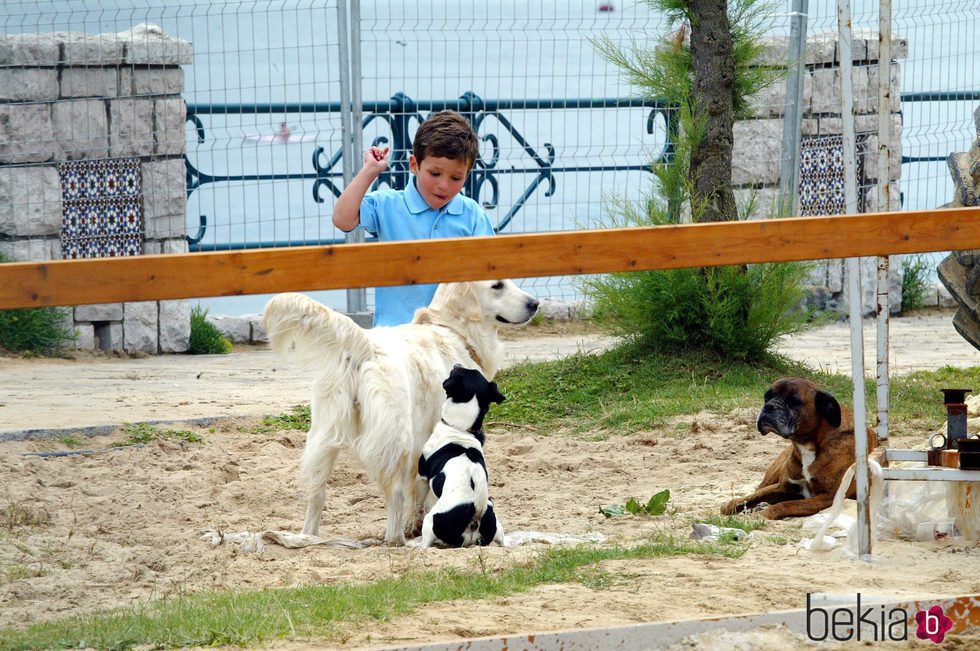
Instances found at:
x=861 y=476
x=884 y=203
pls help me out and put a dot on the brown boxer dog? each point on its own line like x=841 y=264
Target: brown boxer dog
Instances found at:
x=804 y=477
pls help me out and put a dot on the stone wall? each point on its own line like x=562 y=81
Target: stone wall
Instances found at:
x=92 y=139
x=758 y=143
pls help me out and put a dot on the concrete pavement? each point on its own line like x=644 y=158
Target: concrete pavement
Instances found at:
x=91 y=395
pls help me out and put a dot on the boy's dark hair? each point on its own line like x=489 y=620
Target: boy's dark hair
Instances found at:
x=446 y=134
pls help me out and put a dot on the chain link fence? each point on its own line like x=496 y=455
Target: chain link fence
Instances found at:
x=224 y=119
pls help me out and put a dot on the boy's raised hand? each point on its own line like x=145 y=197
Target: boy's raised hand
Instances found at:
x=376 y=160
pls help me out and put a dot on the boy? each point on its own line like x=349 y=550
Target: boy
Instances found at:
x=443 y=153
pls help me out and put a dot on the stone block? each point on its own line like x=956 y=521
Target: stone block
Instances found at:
x=131 y=127
x=810 y=127
x=899 y=45
x=30 y=201
x=944 y=298
x=164 y=198
x=771 y=101
x=756 y=152
x=165 y=247
x=766 y=202
x=554 y=310
x=30 y=250
x=27 y=134
x=825 y=97
x=140 y=327
x=149 y=44
x=29 y=50
x=89 y=82
x=91 y=49
x=821 y=49
x=155 y=81
x=831 y=126
x=28 y=84
x=835 y=275
x=894 y=153
x=869 y=286
x=174 y=246
x=175 y=326
x=170 y=118
x=894 y=87
x=817 y=277
x=85 y=333
x=258 y=334
x=99 y=312
x=235 y=328
x=774 y=53
x=82 y=128
x=871 y=198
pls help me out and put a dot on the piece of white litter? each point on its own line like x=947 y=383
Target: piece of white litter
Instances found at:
x=515 y=538
x=705 y=531
x=251 y=543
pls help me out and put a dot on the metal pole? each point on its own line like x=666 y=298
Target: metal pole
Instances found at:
x=861 y=475
x=356 y=298
x=884 y=203
x=346 y=130
x=789 y=173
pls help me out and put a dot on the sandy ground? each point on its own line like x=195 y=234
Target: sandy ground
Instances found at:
x=124 y=527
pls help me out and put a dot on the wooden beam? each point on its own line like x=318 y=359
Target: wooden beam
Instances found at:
x=156 y=277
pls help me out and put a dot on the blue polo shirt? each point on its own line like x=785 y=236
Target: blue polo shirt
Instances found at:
x=404 y=215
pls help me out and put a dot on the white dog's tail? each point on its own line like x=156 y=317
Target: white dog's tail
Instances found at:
x=311 y=334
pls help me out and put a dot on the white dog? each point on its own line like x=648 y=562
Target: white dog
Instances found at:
x=452 y=462
x=379 y=392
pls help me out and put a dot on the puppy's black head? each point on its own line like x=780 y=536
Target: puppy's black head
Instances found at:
x=464 y=386
x=795 y=409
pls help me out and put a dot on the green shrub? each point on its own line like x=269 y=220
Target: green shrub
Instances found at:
x=206 y=339
x=38 y=331
x=736 y=311
x=915 y=281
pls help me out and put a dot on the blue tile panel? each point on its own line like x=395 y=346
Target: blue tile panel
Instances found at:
x=102 y=208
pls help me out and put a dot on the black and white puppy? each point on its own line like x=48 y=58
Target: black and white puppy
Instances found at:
x=452 y=462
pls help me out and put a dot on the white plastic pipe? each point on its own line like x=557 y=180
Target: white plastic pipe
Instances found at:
x=884 y=203
x=861 y=474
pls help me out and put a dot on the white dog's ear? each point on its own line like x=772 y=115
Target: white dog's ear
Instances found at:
x=459 y=299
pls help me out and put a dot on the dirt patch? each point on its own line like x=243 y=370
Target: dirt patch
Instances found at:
x=124 y=527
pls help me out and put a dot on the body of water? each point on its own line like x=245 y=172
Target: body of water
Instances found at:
x=272 y=52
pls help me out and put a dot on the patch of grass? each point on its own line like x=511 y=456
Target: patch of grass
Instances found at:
x=298 y=418
x=143 y=433
x=205 y=337
x=20 y=571
x=743 y=522
x=309 y=613
x=70 y=441
x=16 y=514
x=629 y=389
x=916 y=271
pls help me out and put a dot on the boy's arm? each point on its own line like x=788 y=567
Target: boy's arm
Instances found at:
x=347 y=210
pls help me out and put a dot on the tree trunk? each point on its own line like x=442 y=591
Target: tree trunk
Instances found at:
x=714 y=77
